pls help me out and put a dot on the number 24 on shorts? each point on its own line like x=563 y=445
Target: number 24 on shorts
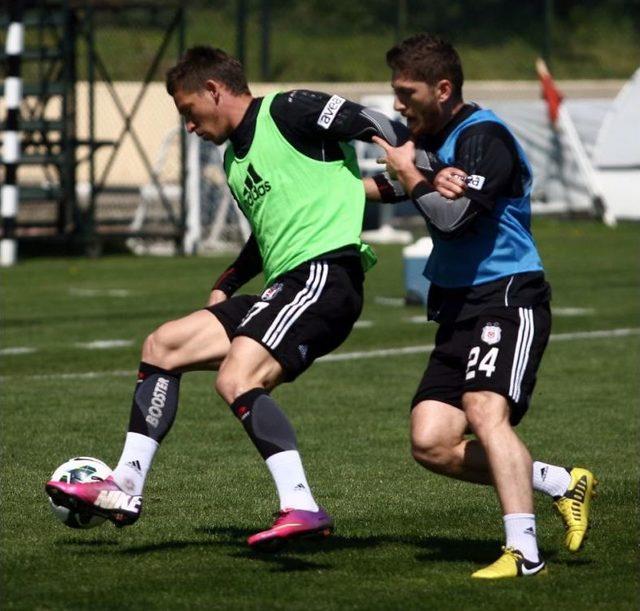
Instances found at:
x=487 y=364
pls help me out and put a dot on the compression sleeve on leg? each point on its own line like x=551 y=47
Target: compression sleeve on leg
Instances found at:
x=265 y=423
x=155 y=401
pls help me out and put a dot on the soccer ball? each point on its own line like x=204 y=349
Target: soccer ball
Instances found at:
x=79 y=470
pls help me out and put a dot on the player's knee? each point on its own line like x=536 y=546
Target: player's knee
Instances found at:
x=156 y=350
x=484 y=411
x=229 y=385
x=430 y=452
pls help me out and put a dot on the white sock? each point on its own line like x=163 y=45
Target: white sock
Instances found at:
x=521 y=534
x=135 y=462
x=550 y=479
x=288 y=474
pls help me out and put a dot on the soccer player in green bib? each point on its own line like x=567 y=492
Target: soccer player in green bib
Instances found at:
x=295 y=177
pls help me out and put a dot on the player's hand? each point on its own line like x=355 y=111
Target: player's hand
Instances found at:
x=217 y=296
x=400 y=163
x=450 y=183
x=398 y=159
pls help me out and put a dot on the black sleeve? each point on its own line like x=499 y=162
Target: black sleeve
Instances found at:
x=315 y=114
x=449 y=217
x=247 y=265
x=487 y=153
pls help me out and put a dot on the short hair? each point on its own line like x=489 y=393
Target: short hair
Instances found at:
x=428 y=58
x=200 y=64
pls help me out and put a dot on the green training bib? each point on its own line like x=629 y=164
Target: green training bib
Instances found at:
x=299 y=208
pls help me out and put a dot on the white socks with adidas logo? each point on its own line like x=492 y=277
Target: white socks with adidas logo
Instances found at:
x=285 y=467
x=550 y=479
x=288 y=475
x=521 y=534
x=135 y=462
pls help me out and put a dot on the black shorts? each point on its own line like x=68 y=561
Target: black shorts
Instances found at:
x=305 y=313
x=499 y=350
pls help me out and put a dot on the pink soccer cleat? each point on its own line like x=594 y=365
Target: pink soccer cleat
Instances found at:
x=292 y=524
x=102 y=498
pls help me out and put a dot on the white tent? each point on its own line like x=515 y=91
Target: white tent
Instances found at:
x=616 y=155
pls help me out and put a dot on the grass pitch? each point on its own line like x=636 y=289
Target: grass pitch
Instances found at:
x=405 y=539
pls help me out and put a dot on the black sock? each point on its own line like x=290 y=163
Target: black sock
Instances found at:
x=155 y=401
x=265 y=423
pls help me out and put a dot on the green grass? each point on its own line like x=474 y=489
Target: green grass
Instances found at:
x=405 y=539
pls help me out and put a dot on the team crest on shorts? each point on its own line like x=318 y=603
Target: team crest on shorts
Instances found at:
x=491 y=333
x=272 y=291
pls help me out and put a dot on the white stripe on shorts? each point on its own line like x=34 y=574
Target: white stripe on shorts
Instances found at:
x=292 y=311
x=521 y=354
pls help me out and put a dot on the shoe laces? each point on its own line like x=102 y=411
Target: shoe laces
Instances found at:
x=512 y=552
x=508 y=554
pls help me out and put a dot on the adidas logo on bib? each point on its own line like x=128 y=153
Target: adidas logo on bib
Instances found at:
x=255 y=187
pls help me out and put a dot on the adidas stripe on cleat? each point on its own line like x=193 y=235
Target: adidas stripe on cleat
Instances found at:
x=573 y=506
x=292 y=524
x=511 y=564
x=103 y=498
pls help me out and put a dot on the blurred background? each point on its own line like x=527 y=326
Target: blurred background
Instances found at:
x=94 y=156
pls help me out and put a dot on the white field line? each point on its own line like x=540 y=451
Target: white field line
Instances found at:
x=345 y=356
x=104 y=344
x=17 y=350
x=394 y=302
x=363 y=324
x=78 y=292
x=572 y=311
x=558 y=337
x=421 y=319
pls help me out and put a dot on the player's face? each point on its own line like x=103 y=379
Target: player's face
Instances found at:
x=203 y=114
x=419 y=103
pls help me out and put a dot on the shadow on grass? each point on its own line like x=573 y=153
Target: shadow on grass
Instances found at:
x=283 y=559
x=432 y=549
x=445 y=549
x=297 y=556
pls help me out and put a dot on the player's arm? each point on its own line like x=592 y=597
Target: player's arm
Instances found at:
x=443 y=213
x=312 y=116
x=247 y=265
x=386 y=188
x=316 y=122
x=485 y=154
x=446 y=215
x=318 y=115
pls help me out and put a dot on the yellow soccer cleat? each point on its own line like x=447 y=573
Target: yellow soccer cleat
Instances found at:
x=573 y=507
x=511 y=564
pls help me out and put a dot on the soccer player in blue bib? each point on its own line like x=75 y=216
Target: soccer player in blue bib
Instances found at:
x=488 y=294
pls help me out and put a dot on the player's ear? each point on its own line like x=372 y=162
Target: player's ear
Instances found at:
x=444 y=90
x=214 y=89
